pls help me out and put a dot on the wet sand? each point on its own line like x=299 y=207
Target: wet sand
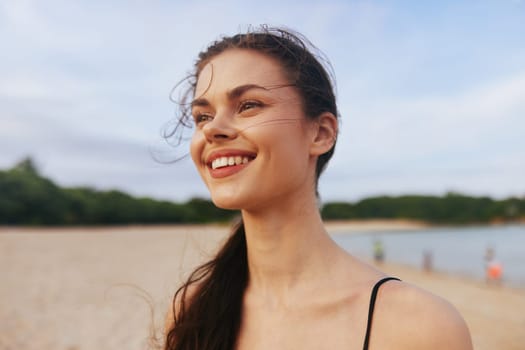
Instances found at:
x=105 y=288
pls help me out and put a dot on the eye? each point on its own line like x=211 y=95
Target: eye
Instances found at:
x=200 y=118
x=249 y=104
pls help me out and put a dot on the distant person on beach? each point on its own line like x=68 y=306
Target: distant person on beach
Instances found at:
x=428 y=261
x=493 y=268
x=265 y=124
x=379 y=251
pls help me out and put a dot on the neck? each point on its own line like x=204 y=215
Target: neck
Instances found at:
x=288 y=247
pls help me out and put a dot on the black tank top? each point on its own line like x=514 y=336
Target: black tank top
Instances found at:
x=371 y=308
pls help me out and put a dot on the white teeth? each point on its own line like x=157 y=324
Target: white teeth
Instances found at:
x=228 y=161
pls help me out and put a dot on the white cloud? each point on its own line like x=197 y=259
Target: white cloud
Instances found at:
x=439 y=123
x=464 y=141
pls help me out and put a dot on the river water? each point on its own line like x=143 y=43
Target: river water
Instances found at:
x=460 y=251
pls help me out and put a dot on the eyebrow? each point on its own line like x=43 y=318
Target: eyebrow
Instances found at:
x=236 y=92
x=239 y=90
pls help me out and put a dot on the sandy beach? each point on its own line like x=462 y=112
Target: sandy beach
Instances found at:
x=108 y=288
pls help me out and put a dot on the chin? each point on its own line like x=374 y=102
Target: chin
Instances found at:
x=225 y=205
x=226 y=202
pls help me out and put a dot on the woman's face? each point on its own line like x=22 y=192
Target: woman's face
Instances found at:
x=251 y=143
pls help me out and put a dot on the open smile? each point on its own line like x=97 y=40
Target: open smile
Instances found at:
x=222 y=162
x=225 y=163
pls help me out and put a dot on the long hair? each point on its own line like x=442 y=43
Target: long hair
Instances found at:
x=209 y=316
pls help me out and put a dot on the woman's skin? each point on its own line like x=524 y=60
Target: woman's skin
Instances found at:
x=304 y=292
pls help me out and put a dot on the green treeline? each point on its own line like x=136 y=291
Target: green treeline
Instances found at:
x=452 y=208
x=27 y=198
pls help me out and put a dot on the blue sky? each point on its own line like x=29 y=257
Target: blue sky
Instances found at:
x=432 y=94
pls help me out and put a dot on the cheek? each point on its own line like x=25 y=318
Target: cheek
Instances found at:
x=196 y=147
x=287 y=148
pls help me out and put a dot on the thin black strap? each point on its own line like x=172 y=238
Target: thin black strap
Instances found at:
x=371 y=308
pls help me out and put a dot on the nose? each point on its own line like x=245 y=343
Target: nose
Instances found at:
x=220 y=128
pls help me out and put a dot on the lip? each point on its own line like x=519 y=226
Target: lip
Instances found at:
x=229 y=170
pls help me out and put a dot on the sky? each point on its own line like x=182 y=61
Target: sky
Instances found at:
x=431 y=94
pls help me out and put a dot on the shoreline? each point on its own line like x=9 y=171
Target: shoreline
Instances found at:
x=332 y=226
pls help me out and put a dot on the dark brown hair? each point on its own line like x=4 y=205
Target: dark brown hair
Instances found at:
x=209 y=317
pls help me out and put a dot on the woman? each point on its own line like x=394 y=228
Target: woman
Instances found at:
x=265 y=126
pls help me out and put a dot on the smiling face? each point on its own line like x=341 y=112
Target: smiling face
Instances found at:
x=252 y=142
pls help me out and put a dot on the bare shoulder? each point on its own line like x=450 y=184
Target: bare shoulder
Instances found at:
x=408 y=317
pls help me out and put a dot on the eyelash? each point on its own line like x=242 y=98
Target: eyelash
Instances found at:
x=243 y=106
x=201 y=118
x=249 y=103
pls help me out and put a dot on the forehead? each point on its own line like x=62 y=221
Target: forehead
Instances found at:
x=236 y=67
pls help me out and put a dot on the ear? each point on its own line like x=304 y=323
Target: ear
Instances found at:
x=325 y=134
